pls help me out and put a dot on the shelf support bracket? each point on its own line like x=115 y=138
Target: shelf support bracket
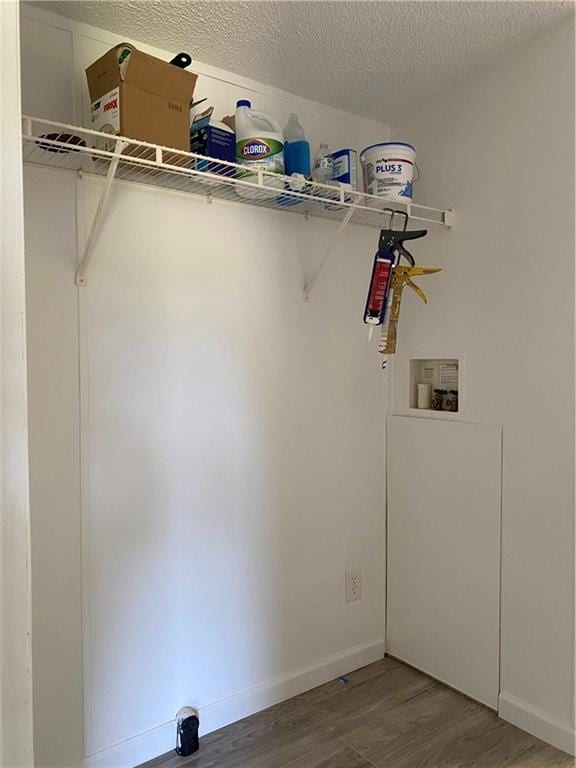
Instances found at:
x=333 y=242
x=99 y=215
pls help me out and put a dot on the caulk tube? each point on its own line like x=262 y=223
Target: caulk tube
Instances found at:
x=388 y=306
x=379 y=287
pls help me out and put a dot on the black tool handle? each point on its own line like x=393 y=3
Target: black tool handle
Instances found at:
x=407 y=255
x=391 y=238
x=411 y=235
x=392 y=241
x=181 y=60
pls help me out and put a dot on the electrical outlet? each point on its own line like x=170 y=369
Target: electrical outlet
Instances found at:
x=353 y=584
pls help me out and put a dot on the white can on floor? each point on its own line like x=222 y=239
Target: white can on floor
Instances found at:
x=389 y=170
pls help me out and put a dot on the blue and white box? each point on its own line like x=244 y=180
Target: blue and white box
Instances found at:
x=346 y=167
x=213 y=139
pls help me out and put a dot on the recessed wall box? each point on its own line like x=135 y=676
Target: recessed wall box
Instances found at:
x=442 y=375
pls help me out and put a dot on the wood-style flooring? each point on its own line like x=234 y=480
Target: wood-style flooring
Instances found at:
x=387 y=715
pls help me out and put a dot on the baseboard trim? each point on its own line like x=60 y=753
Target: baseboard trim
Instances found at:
x=160 y=739
x=550 y=729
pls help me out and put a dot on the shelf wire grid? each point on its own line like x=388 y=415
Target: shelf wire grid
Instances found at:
x=65 y=147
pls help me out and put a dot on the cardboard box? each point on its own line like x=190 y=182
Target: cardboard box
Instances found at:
x=141 y=97
x=346 y=167
x=211 y=138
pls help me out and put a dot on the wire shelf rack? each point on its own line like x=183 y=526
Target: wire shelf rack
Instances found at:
x=57 y=145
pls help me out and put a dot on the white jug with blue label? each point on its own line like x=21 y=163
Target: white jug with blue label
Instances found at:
x=259 y=144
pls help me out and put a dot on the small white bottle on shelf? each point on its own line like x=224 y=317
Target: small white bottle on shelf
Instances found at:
x=323 y=170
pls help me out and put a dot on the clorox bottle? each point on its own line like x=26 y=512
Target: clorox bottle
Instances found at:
x=259 y=144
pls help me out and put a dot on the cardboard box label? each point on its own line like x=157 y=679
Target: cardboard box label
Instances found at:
x=106 y=112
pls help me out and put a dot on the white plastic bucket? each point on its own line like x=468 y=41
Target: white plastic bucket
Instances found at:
x=389 y=170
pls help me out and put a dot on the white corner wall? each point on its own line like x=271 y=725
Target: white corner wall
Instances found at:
x=16 y=737
x=231 y=440
x=500 y=148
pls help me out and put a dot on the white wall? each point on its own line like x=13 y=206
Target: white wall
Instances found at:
x=500 y=148
x=54 y=464
x=16 y=738
x=232 y=443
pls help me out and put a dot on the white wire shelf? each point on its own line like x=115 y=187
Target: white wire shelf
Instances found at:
x=68 y=147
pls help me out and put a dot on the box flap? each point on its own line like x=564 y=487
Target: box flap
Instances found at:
x=103 y=75
x=159 y=77
x=199 y=121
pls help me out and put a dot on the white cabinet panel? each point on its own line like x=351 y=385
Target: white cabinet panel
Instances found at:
x=444 y=502
x=47 y=71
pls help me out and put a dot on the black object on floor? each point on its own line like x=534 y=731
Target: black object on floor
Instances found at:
x=187 y=736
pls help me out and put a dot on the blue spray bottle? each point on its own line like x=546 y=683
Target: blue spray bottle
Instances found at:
x=296 y=148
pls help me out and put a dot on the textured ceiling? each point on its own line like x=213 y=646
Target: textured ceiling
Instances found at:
x=377 y=59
